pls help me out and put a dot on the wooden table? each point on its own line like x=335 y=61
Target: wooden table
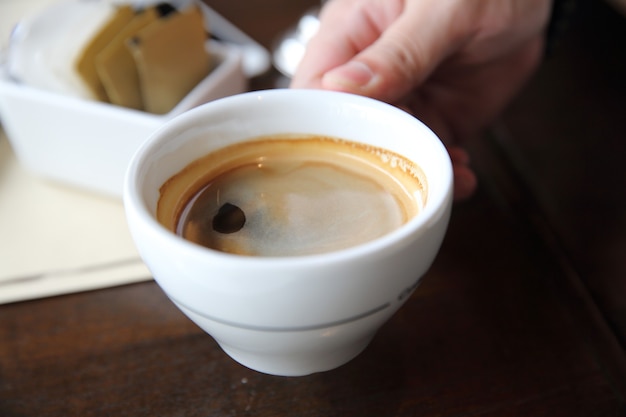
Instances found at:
x=522 y=314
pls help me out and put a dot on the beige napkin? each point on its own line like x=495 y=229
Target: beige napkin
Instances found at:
x=55 y=239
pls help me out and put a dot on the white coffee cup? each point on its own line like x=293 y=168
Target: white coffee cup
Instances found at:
x=301 y=314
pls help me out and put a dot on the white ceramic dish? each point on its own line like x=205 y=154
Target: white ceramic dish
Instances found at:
x=88 y=144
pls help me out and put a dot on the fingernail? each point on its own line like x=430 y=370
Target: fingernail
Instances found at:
x=353 y=75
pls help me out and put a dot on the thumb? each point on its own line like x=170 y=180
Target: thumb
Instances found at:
x=404 y=55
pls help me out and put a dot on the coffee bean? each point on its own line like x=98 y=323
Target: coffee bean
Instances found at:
x=229 y=219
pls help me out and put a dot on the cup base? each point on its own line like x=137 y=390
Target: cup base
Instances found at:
x=291 y=352
x=297 y=364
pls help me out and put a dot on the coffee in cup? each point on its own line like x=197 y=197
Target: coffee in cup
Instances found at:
x=291 y=195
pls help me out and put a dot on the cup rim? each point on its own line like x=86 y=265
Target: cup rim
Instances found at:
x=133 y=200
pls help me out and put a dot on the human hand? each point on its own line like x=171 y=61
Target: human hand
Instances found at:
x=454 y=64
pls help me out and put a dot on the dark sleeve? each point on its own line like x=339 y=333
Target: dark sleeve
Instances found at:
x=562 y=10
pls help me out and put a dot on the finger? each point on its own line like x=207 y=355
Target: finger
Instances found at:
x=405 y=54
x=465 y=182
x=458 y=155
x=343 y=32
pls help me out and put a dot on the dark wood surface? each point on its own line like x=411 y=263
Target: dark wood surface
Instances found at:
x=522 y=314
